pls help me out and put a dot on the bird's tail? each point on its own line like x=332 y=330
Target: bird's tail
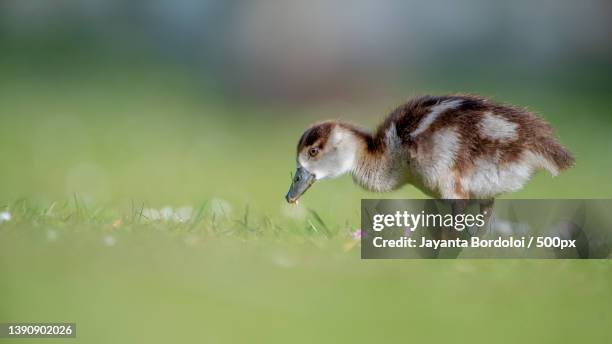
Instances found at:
x=559 y=157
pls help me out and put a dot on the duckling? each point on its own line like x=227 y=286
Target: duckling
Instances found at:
x=449 y=147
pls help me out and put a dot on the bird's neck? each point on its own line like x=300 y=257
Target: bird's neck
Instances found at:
x=379 y=162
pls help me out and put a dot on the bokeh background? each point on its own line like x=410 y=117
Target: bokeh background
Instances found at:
x=146 y=146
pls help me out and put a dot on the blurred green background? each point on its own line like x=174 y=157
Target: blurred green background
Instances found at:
x=146 y=147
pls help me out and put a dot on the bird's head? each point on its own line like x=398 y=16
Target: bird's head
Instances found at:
x=325 y=150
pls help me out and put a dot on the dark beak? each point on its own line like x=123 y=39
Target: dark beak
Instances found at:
x=301 y=182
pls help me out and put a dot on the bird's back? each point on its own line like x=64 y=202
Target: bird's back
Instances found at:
x=462 y=146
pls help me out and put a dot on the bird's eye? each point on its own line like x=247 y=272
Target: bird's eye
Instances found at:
x=313 y=151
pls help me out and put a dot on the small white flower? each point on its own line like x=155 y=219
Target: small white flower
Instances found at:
x=220 y=207
x=508 y=228
x=166 y=213
x=5 y=216
x=503 y=227
x=151 y=214
x=109 y=240
x=183 y=214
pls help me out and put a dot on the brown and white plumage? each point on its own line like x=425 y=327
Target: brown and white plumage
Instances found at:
x=451 y=147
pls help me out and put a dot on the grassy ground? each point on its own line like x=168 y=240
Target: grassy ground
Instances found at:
x=145 y=211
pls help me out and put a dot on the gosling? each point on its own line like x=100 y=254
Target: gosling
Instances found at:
x=449 y=147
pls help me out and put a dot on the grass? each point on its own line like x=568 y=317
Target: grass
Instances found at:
x=236 y=279
x=127 y=279
x=95 y=170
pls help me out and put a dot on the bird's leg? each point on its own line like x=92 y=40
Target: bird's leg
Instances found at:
x=458 y=206
x=486 y=209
